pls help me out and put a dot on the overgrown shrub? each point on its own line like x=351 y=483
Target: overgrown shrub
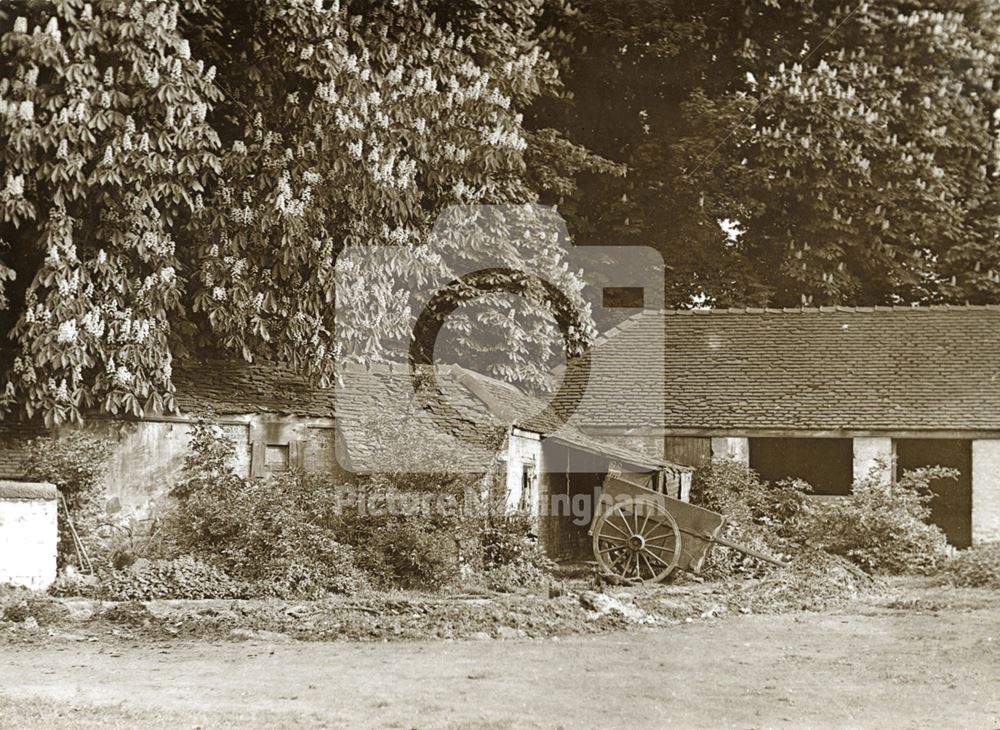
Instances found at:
x=759 y=515
x=881 y=527
x=128 y=537
x=736 y=491
x=975 y=567
x=76 y=463
x=296 y=535
x=398 y=551
x=182 y=577
x=512 y=559
x=267 y=533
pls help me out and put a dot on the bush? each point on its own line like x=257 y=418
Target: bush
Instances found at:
x=404 y=551
x=511 y=558
x=184 y=577
x=736 y=491
x=75 y=462
x=976 y=567
x=880 y=527
x=758 y=515
x=299 y=536
x=269 y=534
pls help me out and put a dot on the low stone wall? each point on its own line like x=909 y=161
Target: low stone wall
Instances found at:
x=28 y=534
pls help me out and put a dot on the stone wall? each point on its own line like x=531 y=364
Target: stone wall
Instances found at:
x=524 y=452
x=28 y=534
x=149 y=455
x=735 y=448
x=148 y=458
x=985 y=491
x=875 y=452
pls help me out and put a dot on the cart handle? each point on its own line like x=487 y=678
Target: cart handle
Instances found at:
x=748 y=551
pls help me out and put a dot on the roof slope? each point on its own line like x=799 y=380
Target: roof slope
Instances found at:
x=229 y=387
x=457 y=425
x=836 y=368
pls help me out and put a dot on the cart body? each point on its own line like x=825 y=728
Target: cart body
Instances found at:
x=699 y=527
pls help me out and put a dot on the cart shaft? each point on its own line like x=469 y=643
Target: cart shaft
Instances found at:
x=753 y=553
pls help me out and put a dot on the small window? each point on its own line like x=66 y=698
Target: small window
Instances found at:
x=276 y=458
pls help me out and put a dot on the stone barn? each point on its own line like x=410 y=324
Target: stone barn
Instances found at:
x=279 y=421
x=821 y=394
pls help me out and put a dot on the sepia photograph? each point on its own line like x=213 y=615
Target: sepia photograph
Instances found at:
x=488 y=364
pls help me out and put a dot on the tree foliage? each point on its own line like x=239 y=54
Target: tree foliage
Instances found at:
x=183 y=175
x=849 y=151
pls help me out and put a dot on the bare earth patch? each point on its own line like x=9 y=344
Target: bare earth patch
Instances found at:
x=919 y=656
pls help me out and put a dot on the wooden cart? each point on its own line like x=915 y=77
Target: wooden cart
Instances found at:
x=643 y=535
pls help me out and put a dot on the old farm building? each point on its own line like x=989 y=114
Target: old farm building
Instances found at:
x=279 y=421
x=821 y=394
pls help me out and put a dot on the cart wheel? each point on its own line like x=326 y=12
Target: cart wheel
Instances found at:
x=637 y=540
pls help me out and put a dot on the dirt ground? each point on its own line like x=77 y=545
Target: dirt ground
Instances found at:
x=928 y=660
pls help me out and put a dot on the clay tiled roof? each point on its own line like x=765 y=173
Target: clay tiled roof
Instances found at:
x=836 y=368
x=469 y=406
x=530 y=414
x=466 y=405
x=229 y=387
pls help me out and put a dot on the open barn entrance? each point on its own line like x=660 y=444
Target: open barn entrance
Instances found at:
x=951 y=508
x=826 y=463
x=572 y=488
x=570 y=493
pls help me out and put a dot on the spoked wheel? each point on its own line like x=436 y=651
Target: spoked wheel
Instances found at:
x=637 y=539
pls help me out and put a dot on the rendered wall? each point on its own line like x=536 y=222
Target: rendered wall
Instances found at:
x=985 y=491
x=524 y=449
x=736 y=448
x=873 y=453
x=149 y=456
x=28 y=534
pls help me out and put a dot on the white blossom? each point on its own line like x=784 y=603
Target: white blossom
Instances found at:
x=15 y=186
x=122 y=376
x=67 y=331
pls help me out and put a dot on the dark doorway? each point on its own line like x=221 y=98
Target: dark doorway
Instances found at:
x=827 y=464
x=951 y=508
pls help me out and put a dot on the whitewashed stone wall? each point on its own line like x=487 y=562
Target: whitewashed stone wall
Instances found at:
x=985 y=491
x=147 y=459
x=523 y=449
x=736 y=448
x=28 y=534
x=873 y=453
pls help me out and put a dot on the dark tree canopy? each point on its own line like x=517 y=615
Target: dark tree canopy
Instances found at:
x=851 y=150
